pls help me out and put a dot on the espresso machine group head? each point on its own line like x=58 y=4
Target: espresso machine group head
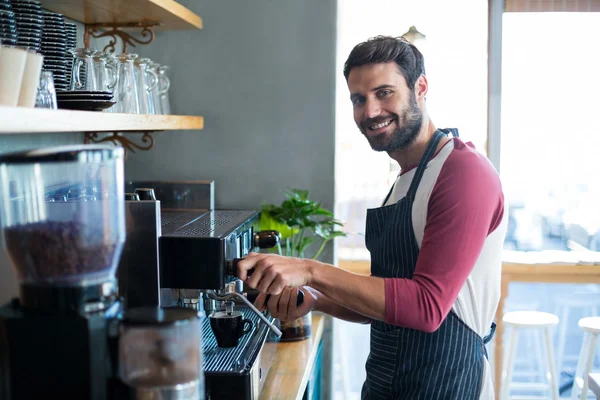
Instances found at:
x=197 y=249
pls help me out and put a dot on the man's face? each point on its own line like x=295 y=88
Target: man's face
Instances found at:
x=385 y=109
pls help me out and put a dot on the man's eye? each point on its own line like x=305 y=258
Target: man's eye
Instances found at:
x=384 y=93
x=357 y=101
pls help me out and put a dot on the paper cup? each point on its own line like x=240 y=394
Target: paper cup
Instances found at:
x=12 y=65
x=31 y=79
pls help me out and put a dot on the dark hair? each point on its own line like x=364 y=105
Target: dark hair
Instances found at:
x=383 y=49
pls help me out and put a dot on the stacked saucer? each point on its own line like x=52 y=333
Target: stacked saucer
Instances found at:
x=8 y=24
x=54 y=48
x=71 y=31
x=85 y=100
x=28 y=16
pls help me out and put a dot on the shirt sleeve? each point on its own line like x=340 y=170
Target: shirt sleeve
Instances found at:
x=465 y=206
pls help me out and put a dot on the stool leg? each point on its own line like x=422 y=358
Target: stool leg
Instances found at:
x=540 y=359
x=588 y=367
x=552 y=378
x=597 y=352
x=509 y=363
x=577 y=382
x=562 y=337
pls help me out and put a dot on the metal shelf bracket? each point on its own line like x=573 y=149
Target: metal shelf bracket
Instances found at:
x=116 y=30
x=116 y=138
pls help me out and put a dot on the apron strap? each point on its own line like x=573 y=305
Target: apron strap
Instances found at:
x=452 y=131
x=389 y=194
x=488 y=338
x=431 y=147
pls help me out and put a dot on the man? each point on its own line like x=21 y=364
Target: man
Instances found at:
x=435 y=244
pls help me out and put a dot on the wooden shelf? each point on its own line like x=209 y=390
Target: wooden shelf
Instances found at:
x=168 y=13
x=39 y=120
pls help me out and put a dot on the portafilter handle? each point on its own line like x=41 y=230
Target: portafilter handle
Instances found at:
x=239 y=296
x=231 y=266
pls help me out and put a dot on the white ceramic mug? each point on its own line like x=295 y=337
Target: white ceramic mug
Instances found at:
x=31 y=79
x=12 y=65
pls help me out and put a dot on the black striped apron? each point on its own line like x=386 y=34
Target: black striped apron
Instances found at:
x=407 y=363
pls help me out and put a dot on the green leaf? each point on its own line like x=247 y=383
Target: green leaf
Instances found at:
x=335 y=234
x=300 y=221
x=298 y=194
x=322 y=211
x=267 y=223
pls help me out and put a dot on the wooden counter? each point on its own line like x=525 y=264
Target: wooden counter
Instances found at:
x=290 y=364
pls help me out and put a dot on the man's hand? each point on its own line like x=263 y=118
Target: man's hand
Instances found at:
x=283 y=306
x=270 y=273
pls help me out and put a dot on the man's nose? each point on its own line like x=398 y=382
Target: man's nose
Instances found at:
x=372 y=109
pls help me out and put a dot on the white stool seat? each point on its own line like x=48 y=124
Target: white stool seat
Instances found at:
x=543 y=322
x=530 y=319
x=590 y=324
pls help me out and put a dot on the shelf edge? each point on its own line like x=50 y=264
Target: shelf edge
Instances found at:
x=21 y=120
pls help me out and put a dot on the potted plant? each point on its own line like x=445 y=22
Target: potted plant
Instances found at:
x=305 y=227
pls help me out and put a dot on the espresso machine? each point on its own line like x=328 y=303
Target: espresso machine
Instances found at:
x=197 y=248
x=67 y=335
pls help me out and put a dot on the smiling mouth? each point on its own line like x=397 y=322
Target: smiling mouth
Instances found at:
x=380 y=125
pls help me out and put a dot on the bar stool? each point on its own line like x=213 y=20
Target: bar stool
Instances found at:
x=588 y=303
x=525 y=366
x=591 y=330
x=520 y=320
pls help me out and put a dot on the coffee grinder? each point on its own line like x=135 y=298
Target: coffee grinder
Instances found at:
x=63 y=228
x=62 y=214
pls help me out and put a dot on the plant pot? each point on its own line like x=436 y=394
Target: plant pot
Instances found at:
x=298 y=329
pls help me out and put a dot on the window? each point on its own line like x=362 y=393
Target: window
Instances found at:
x=550 y=132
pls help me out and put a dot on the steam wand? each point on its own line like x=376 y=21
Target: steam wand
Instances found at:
x=230 y=296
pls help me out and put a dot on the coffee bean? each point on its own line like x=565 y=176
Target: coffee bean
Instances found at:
x=59 y=251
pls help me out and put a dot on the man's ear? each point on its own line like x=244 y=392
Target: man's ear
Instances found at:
x=421 y=87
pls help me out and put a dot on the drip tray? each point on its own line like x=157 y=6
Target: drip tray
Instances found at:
x=234 y=360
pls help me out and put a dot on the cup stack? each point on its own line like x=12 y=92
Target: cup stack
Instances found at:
x=28 y=16
x=8 y=24
x=54 y=48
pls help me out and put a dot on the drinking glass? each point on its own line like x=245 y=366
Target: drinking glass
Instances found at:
x=146 y=80
x=106 y=74
x=155 y=93
x=125 y=91
x=46 y=93
x=163 y=90
x=83 y=76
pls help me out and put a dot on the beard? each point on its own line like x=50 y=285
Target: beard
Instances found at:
x=408 y=127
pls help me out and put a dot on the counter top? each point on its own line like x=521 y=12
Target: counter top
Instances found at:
x=290 y=364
